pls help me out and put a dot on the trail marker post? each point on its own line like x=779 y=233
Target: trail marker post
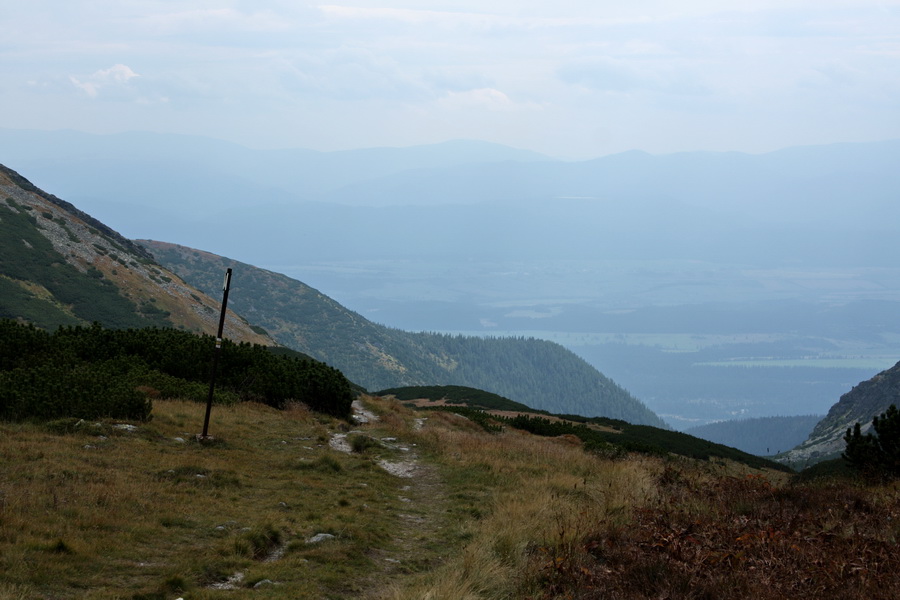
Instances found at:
x=215 y=362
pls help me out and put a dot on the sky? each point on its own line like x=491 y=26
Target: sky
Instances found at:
x=568 y=78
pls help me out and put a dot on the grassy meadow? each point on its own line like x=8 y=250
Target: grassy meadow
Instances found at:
x=424 y=505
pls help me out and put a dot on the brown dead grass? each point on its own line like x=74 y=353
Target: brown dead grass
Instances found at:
x=734 y=538
x=110 y=514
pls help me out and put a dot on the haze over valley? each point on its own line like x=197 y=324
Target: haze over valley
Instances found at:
x=698 y=198
x=712 y=286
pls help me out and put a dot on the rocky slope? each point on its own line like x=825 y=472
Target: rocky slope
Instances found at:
x=60 y=266
x=859 y=405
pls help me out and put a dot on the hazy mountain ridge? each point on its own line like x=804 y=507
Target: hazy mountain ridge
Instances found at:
x=473 y=198
x=795 y=185
x=686 y=243
x=762 y=436
x=537 y=373
x=860 y=405
x=61 y=266
x=69 y=159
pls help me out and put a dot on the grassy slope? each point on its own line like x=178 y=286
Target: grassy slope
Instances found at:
x=599 y=431
x=458 y=394
x=142 y=515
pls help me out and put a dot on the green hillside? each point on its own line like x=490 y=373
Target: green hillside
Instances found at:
x=538 y=373
x=598 y=433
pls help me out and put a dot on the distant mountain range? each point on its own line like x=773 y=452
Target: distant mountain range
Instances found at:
x=537 y=373
x=467 y=198
x=464 y=201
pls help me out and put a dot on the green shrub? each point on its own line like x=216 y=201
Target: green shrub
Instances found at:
x=876 y=454
x=258 y=542
x=92 y=372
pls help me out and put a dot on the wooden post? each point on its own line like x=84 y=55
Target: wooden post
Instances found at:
x=215 y=362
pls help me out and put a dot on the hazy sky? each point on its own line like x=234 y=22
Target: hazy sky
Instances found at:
x=572 y=78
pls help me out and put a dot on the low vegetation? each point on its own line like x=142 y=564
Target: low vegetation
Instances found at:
x=876 y=454
x=599 y=434
x=109 y=509
x=92 y=372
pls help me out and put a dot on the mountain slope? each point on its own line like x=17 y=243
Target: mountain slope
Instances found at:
x=762 y=436
x=859 y=405
x=60 y=266
x=537 y=373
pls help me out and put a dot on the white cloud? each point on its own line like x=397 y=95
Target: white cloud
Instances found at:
x=116 y=76
x=484 y=98
x=654 y=74
x=214 y=19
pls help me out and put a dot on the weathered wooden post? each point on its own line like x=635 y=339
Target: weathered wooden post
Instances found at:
x=215 y=362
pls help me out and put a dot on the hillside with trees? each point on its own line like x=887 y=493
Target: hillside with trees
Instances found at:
x=537 y=373
x=764 y=436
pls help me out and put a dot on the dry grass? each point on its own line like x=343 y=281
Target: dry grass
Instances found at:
x=527 y=494
x=726 y=537
x=106 y=513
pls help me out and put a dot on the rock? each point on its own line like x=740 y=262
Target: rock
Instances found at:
x=263 y=583
x=319 y=537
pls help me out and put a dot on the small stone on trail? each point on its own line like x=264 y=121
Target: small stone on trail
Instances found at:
x=319 y=537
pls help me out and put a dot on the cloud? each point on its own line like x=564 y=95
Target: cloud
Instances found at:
x=350 y=73
x=484 y=98
x=214 y=19
x=117 y=76
x=573 y=77
x=608 y=74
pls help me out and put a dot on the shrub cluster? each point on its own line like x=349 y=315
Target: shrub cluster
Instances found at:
x=876 y=454
x=91 y=372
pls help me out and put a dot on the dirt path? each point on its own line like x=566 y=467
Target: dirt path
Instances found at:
x=416 y=543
